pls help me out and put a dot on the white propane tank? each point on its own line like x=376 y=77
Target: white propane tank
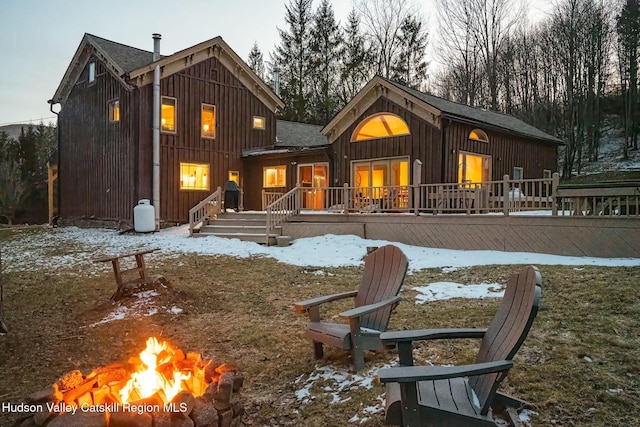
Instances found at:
x=144 y=217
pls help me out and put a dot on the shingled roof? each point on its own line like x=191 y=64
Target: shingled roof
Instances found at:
x=126 y=57
x=478 y=115
x=299 y=135
x=430 y=108
x=134 y=67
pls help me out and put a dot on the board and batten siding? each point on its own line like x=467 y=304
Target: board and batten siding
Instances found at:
x=97 y=157
x=506 y=150
x=424 y=143
x=208 y=82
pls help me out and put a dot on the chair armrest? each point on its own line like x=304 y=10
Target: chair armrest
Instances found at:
x=430 y=334
x=410 y=374
x=370 y=308
x=302 y=306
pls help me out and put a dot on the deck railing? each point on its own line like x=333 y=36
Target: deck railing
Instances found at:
x=207 y=208
x=606 y=199
x=282 y=209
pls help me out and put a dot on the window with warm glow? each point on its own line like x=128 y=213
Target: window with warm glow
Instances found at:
x=114 y=110
x=208 y=121
x=168 y=116
x=478 y=135
x=234 y=176
x=275 y=176
x=473 y=168
x=380 y=173
x=194 y=176
x=383 y=125
x=258 y=122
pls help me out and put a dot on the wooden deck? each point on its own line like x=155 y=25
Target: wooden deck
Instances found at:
x=572 y=236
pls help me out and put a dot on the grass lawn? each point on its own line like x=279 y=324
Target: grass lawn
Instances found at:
x=579 y=366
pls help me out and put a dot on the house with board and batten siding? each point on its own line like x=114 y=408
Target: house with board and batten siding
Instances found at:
x=212 y=108
x=216 y=122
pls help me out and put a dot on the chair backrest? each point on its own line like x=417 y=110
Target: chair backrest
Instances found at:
x=507 y=330
x=384 y=272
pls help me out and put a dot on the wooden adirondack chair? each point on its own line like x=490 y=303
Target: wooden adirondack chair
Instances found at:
x=375 y=298
x=462 y=395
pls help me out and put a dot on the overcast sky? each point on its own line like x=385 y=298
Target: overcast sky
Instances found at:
x=38 y=38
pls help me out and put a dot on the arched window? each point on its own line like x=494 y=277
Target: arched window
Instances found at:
x=381 y=125
x=478 y=135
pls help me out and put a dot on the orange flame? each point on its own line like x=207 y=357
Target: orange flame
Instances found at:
x=148 y=380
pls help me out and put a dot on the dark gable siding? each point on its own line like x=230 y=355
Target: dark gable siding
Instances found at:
x=207 y=82
x=97 y=158
x=507 y=151
x=424 y=143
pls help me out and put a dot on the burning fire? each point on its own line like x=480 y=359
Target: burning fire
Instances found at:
x=164 y=371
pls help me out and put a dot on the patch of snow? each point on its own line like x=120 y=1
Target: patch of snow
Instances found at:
x=588 y=359
x=525 y=415
x=447 y=290
x=615 y=390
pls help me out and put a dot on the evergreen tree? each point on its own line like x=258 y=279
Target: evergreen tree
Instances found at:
x=291 y=57
x=11 y=186
x=411 y=67
x=255 y=61
x=325 y=55
x=357 y=65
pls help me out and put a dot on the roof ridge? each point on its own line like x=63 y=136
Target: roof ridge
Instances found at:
x=118 y=43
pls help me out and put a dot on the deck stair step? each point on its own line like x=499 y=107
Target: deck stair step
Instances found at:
x=246 y=226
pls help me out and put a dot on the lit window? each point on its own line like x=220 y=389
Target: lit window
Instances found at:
x=383 y=125
x=275 y=176
x=168 y=117
x=114 y=110
x=473 y=168
x=478 y=135
x=258 y=122
x=208 y=121
x=92 y=72
x=194 y=176
x=234 y=176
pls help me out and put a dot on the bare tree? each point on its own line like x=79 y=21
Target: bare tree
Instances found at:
x=382 y=21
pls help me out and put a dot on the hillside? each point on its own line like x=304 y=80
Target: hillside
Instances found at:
x=611 y=166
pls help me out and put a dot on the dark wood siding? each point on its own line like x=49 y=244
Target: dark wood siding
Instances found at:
x=97 y=157
x=506 y=151
x=253 y=180
x=424 y=143
x=208 y=82
x=439 y=156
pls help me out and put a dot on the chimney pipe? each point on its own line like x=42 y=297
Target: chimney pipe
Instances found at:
x=156 y=46
x=156 y=130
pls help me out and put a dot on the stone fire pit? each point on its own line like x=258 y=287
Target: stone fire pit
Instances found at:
x=163 y=387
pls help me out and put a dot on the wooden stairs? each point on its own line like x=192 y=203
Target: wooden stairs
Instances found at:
x=246 y=226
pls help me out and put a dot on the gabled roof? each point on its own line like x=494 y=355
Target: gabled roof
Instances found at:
x=429 y=107
x=135 y=67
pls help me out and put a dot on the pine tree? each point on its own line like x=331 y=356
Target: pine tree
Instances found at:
x=411 y=67
x=255 y=61
x=291 y=57
x=628 y=28
x=357 y=66
x=325 y=52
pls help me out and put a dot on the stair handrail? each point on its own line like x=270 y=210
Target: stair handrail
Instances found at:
x=283 y=209
x=205 y=209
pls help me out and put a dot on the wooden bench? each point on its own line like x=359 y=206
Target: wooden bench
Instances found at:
x=126 y=286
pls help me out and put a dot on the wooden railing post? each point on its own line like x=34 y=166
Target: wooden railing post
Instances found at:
x=345 y=198
x=555 y=181
x=414 y=195
x=505 y=195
